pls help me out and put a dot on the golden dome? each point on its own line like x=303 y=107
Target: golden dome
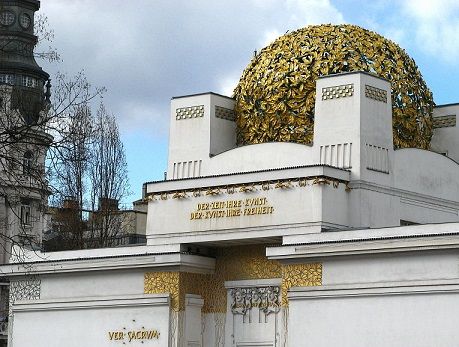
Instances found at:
x=276 y=94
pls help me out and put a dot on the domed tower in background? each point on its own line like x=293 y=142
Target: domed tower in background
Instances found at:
x=24 y=97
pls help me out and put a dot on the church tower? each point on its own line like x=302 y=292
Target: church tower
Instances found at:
x=24 y=97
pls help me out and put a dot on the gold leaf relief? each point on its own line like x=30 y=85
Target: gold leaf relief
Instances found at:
x=300 y=275
x=164 y=282
x=232 y=263
x=272 y=82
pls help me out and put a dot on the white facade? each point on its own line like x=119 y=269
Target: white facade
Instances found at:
x=274 y=244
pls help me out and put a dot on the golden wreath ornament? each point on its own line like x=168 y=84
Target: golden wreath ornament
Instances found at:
x=275 y=96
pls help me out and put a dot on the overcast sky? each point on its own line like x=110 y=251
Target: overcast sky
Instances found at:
x=147 y=51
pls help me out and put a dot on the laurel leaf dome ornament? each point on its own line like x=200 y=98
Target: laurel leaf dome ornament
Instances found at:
x=275 y=96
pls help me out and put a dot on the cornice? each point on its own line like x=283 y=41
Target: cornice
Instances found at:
x=188 y=262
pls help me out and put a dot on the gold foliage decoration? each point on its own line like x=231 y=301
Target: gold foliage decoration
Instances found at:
x=236 y=263
x=232 y=263
x=164 y=282
x=300 y=275
x=179 y=195
x=275 y=96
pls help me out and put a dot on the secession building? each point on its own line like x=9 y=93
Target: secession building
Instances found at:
x=317 y=207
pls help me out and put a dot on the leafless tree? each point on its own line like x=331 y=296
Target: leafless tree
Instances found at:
x=109 y=179
x=30 y=120
x=68 y=171
x=90 y=178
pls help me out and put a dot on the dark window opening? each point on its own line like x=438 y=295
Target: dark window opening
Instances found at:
x=27 y=163
x=25 y=215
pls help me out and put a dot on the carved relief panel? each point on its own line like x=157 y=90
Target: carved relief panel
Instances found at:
x=254 y=314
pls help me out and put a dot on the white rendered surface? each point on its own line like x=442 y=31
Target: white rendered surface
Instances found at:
x=434 y=174
x=193 y=306
x=292 y=209
x=88 y=321
x=263 y=156
x=381 y=287
x=421 y=320
x=192 y=141
x=295 y=209
x=446 y=140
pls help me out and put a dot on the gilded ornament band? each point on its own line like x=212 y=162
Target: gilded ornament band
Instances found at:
x=233 y=263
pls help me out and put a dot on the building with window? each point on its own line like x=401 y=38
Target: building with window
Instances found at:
x=319 y=206
x=23 y=141
x=110 y=225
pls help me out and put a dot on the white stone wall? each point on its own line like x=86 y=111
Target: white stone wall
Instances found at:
x=352 y=128
x=201 y=126
x=445 y=138
x=290 y=204
x=92 y=321
x=385 y=300
x=380 y=287
x=375 y=319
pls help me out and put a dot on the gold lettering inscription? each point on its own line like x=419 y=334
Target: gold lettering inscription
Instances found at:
x=116 y=335
x=232 y=208
x=133 y=335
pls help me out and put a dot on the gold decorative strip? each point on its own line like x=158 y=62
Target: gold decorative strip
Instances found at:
x=232 y=263
x=231 y=189
x=225 y=113
x=300 y=275
x=444 y=121
x=189 y=112
x=215 y=191
x=320 y=180
x=248 y=188
x=284 y=185
x=337 y=92
x=179 y=195
x=375 y=93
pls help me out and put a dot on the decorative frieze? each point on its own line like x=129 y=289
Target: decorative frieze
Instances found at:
x=179 y=195
x=266 y=299
x=336 y=92
x=284 y=184
x=213 y=192
x=375 y=93
x=225 y=113
x=444 y=121
x=247 y=188
x=25 y=289
x=189 y=112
